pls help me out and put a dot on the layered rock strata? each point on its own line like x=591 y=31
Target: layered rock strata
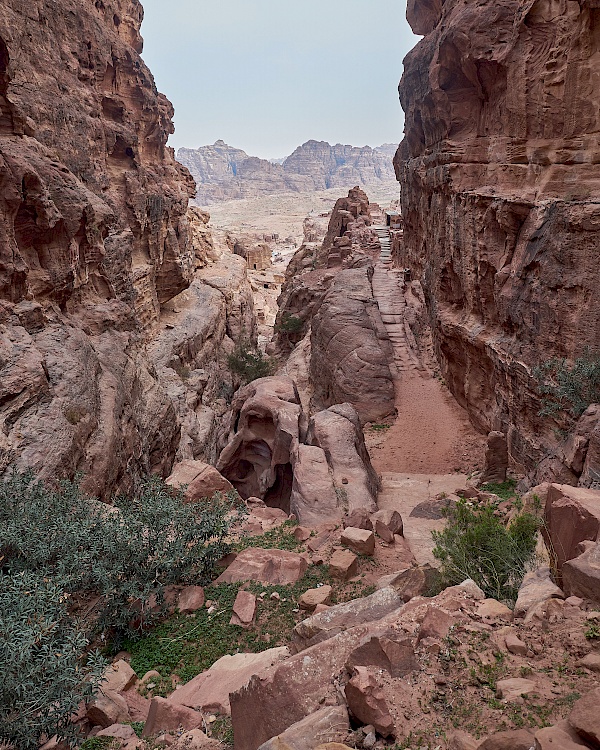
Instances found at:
x=94 y=243
x=500 y=183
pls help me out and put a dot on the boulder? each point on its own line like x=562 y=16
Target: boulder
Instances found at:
x=591 y=662
x=190 y=599
x=387 y=523
x=410 y=582
x=459 y=740
x=572 y=515
x=518 y=739
x=581 y=576
x=436 y=624
x=585 y=717
x=491 y=609
x=118 y=677
x=535 y=588
x=209 y=691
x=389 y=651
x=496 y=459
x=340 y=617
x=313 y=497
x=515 y=645
x=313 y=597
x=166 y=716
x=360 y=518
x=343 y=564
x=199 y=479
x=107 y=708
x=327 y=725
x=244 y=609
x=123 y=732
x=269 y=566
x=361 y=541
x=366 y=701
x=559 y=737
x=514 y=687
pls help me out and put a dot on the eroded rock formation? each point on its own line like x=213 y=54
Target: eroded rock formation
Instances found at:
x=223 y=172
x=94 y=243
x=500 y=183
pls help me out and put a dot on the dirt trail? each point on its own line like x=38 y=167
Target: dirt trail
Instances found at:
x=431 y=434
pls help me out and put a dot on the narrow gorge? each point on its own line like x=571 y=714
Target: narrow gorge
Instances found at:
x=315 y=466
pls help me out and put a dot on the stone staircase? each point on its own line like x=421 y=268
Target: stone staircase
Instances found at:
x=388 y=290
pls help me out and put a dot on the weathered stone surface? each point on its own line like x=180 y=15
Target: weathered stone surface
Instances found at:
x=271 y=566
x=313 y=497
x=436 y=624
x=167 y=716
x=515 y=645
x=572 y=515
x=560 y=736
x=581 y=576
x=123 y=732
x=195 y=739
x=502 y=237
x=118 y=677
x=244 y=609
x=107 y=708
x=313 y=597
x=535 y=588
x=591 y=662
x=210 y=690
x=343 y=564
x=328 y=725
x=366 y=701
x=460 y=740
x=585 y=718
x=190 y=599
x=340 y=617
x=390 y=652
x=514 y=687
x=388 y=523
x=491 y=609
x=496 y=458
x=359 y=519
x=361 y=541
x=518 y=739
x=199 y=479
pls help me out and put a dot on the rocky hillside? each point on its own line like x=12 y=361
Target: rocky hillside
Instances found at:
x=500 y=201
x=95 y=243
x=226 y=173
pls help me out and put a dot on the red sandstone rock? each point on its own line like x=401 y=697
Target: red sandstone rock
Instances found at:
x=166 y=716
x=366 y=701
x=572 y=515
x=515 y=645
x=359 y=519
x=107 y=708
x=585 y=718
x=199 y=479
x=190 y=599
x=327 y=725
x=514 y=687
x=560 y=736
x=581 y=576
x=387 y=524
x=270 y=566
x=313 y=597
x=436 y=624
x=244 y=609
x=536 y=588
x=394 y=654
x=518 y=739
x=361 y=541
x=496 y=458
x=343 y=564
x=410 y=581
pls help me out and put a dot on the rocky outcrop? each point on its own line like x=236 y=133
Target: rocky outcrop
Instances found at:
x=96 y=251
x=223 y=172
x=319 y=471
x=499 y=183
x=328 y=295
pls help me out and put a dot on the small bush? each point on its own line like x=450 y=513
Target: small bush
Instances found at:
x=475 y=544
x=569 y=388
x=45 y=674
x=289 y=324
x=250 y=363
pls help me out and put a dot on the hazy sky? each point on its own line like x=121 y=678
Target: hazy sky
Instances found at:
x=268 y=75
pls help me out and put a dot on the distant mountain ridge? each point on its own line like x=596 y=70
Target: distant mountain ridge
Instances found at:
x=223 y=172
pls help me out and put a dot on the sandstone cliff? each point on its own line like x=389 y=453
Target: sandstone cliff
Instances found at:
x=500 y=183
x=94 y=241
x=223 y=172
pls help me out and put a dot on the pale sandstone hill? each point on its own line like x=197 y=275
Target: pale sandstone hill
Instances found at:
x=94 y=242
x=500 y=182
x=226 y=173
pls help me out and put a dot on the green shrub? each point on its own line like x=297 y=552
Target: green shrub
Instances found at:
x=569 y=388
x=250 y=363
x=44 y=672
x=127 y=555
x=289 y=324
x=476 y=544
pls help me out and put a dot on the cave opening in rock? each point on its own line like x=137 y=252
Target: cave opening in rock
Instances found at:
x=278 y=496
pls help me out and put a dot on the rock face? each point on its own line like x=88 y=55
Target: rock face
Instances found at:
x=318 y=471
x=223 y=172
x=95 y=244
x=499 y=181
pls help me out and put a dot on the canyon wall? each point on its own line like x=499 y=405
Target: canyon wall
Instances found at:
x=500 y=178
x=94 y=242
x=224 y=173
